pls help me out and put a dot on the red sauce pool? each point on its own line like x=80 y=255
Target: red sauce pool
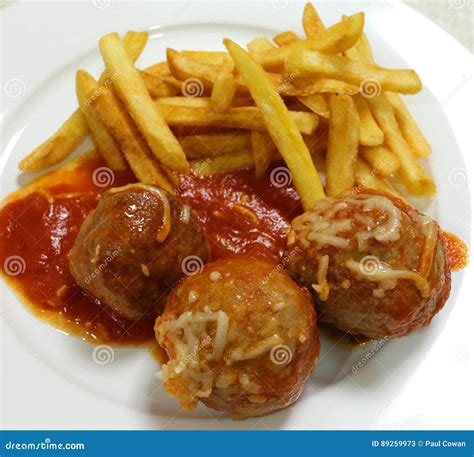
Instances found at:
x=457 y=251
x=240 y=215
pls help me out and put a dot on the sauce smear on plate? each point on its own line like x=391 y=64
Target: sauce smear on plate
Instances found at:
x=240 y=214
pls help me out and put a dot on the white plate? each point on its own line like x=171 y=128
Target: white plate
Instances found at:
x=50 y=380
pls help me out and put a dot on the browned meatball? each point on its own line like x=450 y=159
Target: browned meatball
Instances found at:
x=241 y=337
x=376 y=266
x=133 y=248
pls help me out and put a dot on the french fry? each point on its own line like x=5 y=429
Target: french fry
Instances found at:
x=124 y=132
x=259 y=45
x=87 y=86
x=263 y=151
x=212 y=144
x=285 y=38
x=333 y=40
x=224 y=88
x=133 y=93
x=406 y=122
x=247 y=117
x=408 y=126
x=184 y=68
x=383 y=161
x=159 y=69
x=310 y=63
x=281 y=126
x=210 y=57
x=157 y=86
x=415 y=178
x=316 y=103
x=74 y=131
x=312 y=23
x=225 y=163
x=343 y=141
x=318 y=86
x=365 y=177
x=370 y=133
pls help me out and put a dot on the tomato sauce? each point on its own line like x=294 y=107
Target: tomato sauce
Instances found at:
x=456 y=251
x=240 y=215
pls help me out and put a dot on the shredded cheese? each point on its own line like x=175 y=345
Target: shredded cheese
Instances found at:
x=322 y=288
x=387 y=278
x=324 y=225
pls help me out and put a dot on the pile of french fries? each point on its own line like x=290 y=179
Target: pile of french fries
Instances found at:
x=206 y=112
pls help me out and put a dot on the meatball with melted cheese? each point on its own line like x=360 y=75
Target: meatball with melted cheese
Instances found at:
x=376 y=266
x=131 y=249
x=241 y=337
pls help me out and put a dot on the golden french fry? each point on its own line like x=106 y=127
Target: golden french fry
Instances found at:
x=157 y=86
x=224 y=88
x=87 y=86
x=364 y=49
x=343 y=142
x=202 y=76
x=59 y=146
x=383 y=161
x=133 y=93
x=415 y=178
x=316 y=103
x=318 y=86
x=406 y=122
x=335 y=39
x=212 y=144
x=74 y=131
x=247 y=117
x=259 y=45
x=281 y=126
x=210 y=57
x=310 y=63
x=263 y=151
x=224 y=163
x=159 y=69
x=124 y=132
x=285 y=38
x=365 y=177
x=408 y=126
x=370 y=133
x=312 y=23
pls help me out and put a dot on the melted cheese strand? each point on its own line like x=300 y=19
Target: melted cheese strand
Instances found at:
x=387 y=274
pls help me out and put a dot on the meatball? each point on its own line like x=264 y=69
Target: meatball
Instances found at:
x=376 y=266
x=241 y=337
x=131 y=249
